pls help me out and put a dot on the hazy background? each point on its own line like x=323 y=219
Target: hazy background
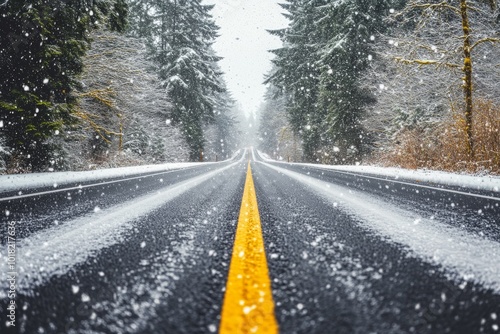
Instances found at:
x=244 y=44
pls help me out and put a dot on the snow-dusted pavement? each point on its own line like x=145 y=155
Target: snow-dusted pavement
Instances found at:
x=349 y=250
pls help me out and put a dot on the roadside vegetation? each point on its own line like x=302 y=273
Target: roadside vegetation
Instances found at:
x=397 y=83
x=445 y=146
x=106 y=83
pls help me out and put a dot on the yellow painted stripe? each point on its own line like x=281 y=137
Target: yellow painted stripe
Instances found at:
x=248 y=303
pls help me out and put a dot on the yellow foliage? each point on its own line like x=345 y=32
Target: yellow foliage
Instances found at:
x=103 y=96
x=91 y=120
x=446 y=147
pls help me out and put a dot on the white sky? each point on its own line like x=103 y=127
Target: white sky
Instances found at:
x=244 y=42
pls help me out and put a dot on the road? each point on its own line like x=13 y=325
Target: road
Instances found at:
x=249 y=245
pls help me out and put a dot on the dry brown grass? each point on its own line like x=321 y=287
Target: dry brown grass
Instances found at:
x=445 y=148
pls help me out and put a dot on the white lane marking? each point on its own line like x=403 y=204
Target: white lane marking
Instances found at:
x=90 y=185
x=411 y=184
x=95 y=184
x=253 y=153
x=463 y=256
x=16 y=182
x=334 y=170
x=54 y=251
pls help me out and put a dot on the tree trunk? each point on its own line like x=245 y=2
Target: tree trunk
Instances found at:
x=467 y=69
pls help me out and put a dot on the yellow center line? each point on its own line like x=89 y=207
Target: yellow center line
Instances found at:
x=248 y=303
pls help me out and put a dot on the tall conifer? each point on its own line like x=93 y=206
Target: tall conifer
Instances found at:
x=41 y=46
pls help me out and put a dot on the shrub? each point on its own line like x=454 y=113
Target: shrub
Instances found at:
x=445 y=147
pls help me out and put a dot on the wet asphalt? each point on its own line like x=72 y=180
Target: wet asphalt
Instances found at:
x=329 y=273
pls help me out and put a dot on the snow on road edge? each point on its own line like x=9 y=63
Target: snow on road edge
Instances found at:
x=56 y=250
x=49 y=179
x=488 y=183
x=464 y=256
x=37 y=180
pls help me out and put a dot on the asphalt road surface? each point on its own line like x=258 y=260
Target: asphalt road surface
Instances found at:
x=252 y=246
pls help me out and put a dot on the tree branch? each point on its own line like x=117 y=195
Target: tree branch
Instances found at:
x=97 y=128
x=423 y=62
x=441 y=5
x=484 y=40
x=101 y=96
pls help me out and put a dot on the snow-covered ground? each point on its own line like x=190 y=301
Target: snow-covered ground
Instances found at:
x=56 y=179
x=460 y=253
x=56 y=250
x=488 y=183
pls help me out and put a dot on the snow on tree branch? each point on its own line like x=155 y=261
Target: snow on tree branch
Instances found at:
x=425 y=62
x=123 y=104
x=485 y=40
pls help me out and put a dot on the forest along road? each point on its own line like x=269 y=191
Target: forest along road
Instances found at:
x=253 y=246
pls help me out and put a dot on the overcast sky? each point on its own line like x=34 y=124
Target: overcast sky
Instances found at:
x=244 y=42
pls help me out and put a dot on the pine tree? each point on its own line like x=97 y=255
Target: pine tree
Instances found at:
x=325 y=50
x=275 y=135
x=41 y=48
x=224 y=123
x=142 y=17
x=348 y=27
x=180 y=35
x=296 y=73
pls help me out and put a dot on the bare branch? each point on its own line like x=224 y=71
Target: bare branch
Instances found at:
x=89 y=118
x=100 y=95
x=436 y=6
x=485 y=40
x=423 y=62
x=474 y=9
x=433 y=49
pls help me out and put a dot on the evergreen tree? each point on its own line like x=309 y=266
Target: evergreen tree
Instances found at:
x=41 y=48
x=275 y=135
x=325 y=50
x=225 y=141
x=296 y=73
x=142 y=19
x=348 y=27
x=180 y=35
